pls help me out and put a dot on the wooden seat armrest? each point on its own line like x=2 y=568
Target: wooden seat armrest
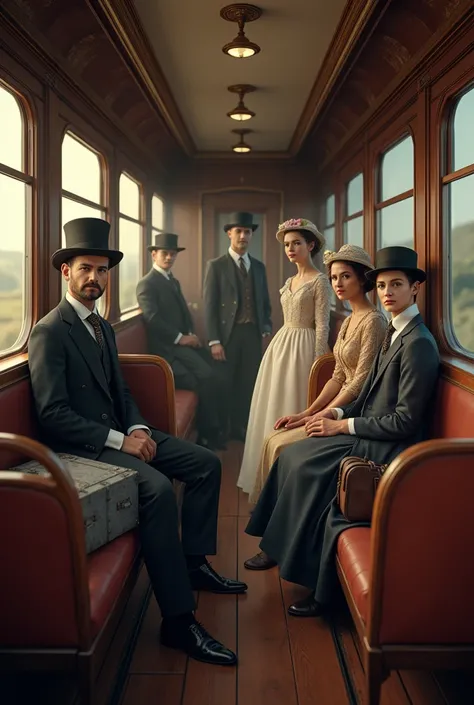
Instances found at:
x=151 y=382
x=421 y=580
x=321 y=372
x=50 y=501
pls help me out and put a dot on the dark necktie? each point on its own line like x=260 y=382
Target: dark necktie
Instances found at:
x=173 y=281
x=388 y=339
x=95 y=323
x=242 y=266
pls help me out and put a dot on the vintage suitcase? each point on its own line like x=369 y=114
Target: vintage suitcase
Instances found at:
x=108 y=495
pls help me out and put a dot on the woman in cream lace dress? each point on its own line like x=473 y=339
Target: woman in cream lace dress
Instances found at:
x=282 y=381
x=357 y=344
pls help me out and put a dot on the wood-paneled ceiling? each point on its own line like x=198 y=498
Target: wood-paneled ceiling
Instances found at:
x=156 y=69
x=187 y=39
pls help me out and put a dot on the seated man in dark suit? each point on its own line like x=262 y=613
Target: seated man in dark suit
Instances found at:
x=85 y=408
x=170 y=334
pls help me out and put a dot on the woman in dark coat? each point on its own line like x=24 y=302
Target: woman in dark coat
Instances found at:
x=297 y=515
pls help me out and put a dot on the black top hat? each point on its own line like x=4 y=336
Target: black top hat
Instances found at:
x=240 y=220
x=401 y=258
x=166 y=241
x=86 y=236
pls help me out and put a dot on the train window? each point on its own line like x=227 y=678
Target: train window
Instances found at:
x=353 y=232
x=395 y=208
x=157 y=215
x=462 y=132
x=82 y=190
x=130 y=235
x=459 y=221
x=329 y=229
x=15 y=207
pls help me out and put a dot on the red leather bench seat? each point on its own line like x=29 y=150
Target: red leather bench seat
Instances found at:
x=108 y=569
x=353 y=554
x=453 y=418
x=132 y=339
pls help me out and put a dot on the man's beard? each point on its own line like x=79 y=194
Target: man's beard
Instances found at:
x=87 y=293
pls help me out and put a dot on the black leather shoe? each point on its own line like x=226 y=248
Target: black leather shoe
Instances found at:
x=205 y=578
x=308 y=607
x=197 y=643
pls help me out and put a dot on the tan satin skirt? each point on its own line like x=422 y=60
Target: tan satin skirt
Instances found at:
x=274 y=444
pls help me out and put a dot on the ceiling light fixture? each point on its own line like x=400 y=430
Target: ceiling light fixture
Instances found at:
x=242 y=147
x=241 y=47
x=241 y=112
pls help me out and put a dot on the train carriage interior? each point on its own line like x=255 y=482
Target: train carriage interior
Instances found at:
x=161 y=117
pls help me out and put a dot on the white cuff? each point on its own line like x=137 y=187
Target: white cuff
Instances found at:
x=114 y=440
x=339 y=413
x=351 y=425
x=137 y=427
x=178 y=338
x=214 y=342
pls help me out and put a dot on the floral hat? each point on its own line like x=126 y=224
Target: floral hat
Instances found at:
x=299 y=224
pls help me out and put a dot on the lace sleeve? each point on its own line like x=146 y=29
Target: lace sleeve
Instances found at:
x=339 y=375
x=322 y=308
x=371 y=336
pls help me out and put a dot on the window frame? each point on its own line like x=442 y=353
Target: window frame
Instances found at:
x=28 y=178
x=379 y=205
x=142 y=222
x=103 y=207
x=448 y=177
x=346 y=218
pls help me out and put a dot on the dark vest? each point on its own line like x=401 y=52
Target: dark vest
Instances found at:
x=246 y=312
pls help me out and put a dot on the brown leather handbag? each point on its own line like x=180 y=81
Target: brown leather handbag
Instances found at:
x=356 y=487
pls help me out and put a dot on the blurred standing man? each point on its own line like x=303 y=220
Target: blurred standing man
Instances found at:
x=238 y=315
x=170 y=332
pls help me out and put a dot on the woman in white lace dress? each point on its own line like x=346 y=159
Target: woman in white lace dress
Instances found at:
x=282 y=380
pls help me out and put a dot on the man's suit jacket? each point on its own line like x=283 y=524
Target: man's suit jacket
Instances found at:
x=221 y=297
x=392 y=410
x=72 y=397
x=165 y=313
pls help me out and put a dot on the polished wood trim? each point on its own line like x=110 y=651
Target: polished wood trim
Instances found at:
x=351 y=28
x=348 y=218
x=314 y=384
x=135 y=359
x=459 y=174
x=395 y=199
x=402 y=466
x=15 y=174
x=254 y=156
x=122 y=24
x=13 y=369
x=61 y=486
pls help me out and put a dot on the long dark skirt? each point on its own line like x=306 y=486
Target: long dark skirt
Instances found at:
x=297 y=515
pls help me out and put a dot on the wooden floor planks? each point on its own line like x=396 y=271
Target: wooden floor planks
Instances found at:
x=290 y=662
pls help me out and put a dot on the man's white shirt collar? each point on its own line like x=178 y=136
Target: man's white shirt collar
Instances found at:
x=236 y=257
x=161 y=271
x=82 y=311
x=404 y=318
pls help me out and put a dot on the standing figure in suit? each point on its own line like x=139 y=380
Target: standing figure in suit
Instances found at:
x=85 y=408
x=170 y=332
x=297 y=513
x=238 y=315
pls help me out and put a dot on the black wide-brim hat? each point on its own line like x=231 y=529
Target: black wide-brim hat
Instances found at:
x=240 y=220
x=165 y=241
x=400 y=258
x=86 y=236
